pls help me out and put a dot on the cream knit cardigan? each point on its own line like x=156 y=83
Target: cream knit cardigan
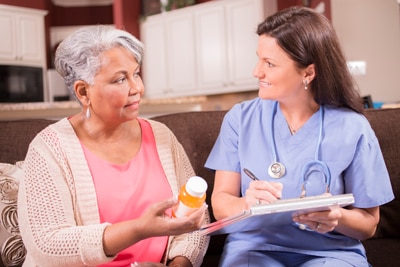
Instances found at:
x=57 y=206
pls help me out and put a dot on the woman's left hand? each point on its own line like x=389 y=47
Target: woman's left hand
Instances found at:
x=321 y=221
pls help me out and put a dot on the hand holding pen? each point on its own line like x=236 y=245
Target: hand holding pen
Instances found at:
x=262 y=191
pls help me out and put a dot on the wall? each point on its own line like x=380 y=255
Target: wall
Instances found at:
x=70 y=16
x=369 y=30
x=39 y=4
x=125 y=12
x=309 y=3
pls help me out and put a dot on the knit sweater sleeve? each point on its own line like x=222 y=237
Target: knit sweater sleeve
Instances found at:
x=57 y=207
x=178 y=169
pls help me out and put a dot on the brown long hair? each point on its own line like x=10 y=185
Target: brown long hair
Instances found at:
x=309 y=38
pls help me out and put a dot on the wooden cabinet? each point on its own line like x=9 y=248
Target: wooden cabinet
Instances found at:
x=23 y=41
x=203 y=49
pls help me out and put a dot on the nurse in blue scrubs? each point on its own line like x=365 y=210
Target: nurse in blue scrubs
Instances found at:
x=304 y=135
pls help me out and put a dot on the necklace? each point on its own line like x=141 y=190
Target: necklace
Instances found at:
x=295 y=130
x=292 y=131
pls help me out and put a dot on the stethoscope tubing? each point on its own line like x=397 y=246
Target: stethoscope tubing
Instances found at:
x=316 y=160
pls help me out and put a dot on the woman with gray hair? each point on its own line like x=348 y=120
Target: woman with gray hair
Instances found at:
x=98 y=187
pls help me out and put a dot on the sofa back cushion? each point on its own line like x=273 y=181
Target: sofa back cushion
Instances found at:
x=197 y=132
x=15 y=137
x=385 y=123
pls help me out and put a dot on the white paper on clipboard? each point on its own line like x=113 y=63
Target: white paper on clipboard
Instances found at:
x=262 y=215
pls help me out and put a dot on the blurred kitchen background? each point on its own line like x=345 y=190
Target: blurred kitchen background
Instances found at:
x=199 y=54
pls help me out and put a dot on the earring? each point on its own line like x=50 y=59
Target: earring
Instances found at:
x=305 y=84
x=88 y=111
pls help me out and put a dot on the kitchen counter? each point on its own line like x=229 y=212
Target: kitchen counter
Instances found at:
x=57 y=110
x=148 y=107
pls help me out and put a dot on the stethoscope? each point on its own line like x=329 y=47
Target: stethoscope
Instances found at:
x=277 y=169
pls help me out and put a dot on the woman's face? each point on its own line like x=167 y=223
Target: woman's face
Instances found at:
x=117 y=88
x=279 y=78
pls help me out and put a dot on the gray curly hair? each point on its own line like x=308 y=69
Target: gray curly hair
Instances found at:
x=77 y=57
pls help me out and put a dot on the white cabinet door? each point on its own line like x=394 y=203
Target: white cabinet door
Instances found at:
x=155 y=70
x=212 y=52
x=169 y=64
x=242 y=19
x=8 y=46
x=227 y=44
x=22 y=32
x=181 y=53
x=31 y=38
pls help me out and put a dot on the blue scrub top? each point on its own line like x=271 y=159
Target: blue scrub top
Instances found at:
x=348 y=147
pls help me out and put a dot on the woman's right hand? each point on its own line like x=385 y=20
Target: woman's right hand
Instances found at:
x=156 y=221
x=153 y=222
x=262 y=192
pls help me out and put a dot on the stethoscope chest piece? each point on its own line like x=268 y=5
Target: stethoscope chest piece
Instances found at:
x=276 y=170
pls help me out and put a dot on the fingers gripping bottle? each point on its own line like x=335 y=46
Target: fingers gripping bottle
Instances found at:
x=191 y=196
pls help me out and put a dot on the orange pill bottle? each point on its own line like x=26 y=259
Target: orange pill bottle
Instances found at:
x=191 y=196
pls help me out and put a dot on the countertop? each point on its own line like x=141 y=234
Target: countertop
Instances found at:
x=148 y=107
x=57 y=110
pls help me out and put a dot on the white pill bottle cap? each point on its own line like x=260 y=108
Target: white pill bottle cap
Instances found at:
x=196 y=186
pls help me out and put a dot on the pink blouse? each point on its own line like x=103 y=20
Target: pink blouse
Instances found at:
x=125 y=191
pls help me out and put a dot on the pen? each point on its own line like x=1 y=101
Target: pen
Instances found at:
x=253 y=177
x=250 y=174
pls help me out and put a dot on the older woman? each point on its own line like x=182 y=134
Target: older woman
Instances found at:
x=99 y=185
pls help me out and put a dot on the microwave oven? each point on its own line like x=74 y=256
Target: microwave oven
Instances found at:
x=20 y=84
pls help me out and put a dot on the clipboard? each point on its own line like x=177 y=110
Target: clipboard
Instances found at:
x=260 y=216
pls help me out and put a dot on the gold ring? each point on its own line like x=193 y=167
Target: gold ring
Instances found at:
x=318 y=225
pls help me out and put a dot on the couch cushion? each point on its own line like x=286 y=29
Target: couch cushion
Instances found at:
x=383 y=252
x=12 y=250
x=22 y=132
x=388 y=135
x=197 y=141
x=197 y=132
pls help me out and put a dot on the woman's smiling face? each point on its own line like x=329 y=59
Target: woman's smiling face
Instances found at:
x=278 y=75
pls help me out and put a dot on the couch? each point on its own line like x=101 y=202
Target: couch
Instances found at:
x=197 y=132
